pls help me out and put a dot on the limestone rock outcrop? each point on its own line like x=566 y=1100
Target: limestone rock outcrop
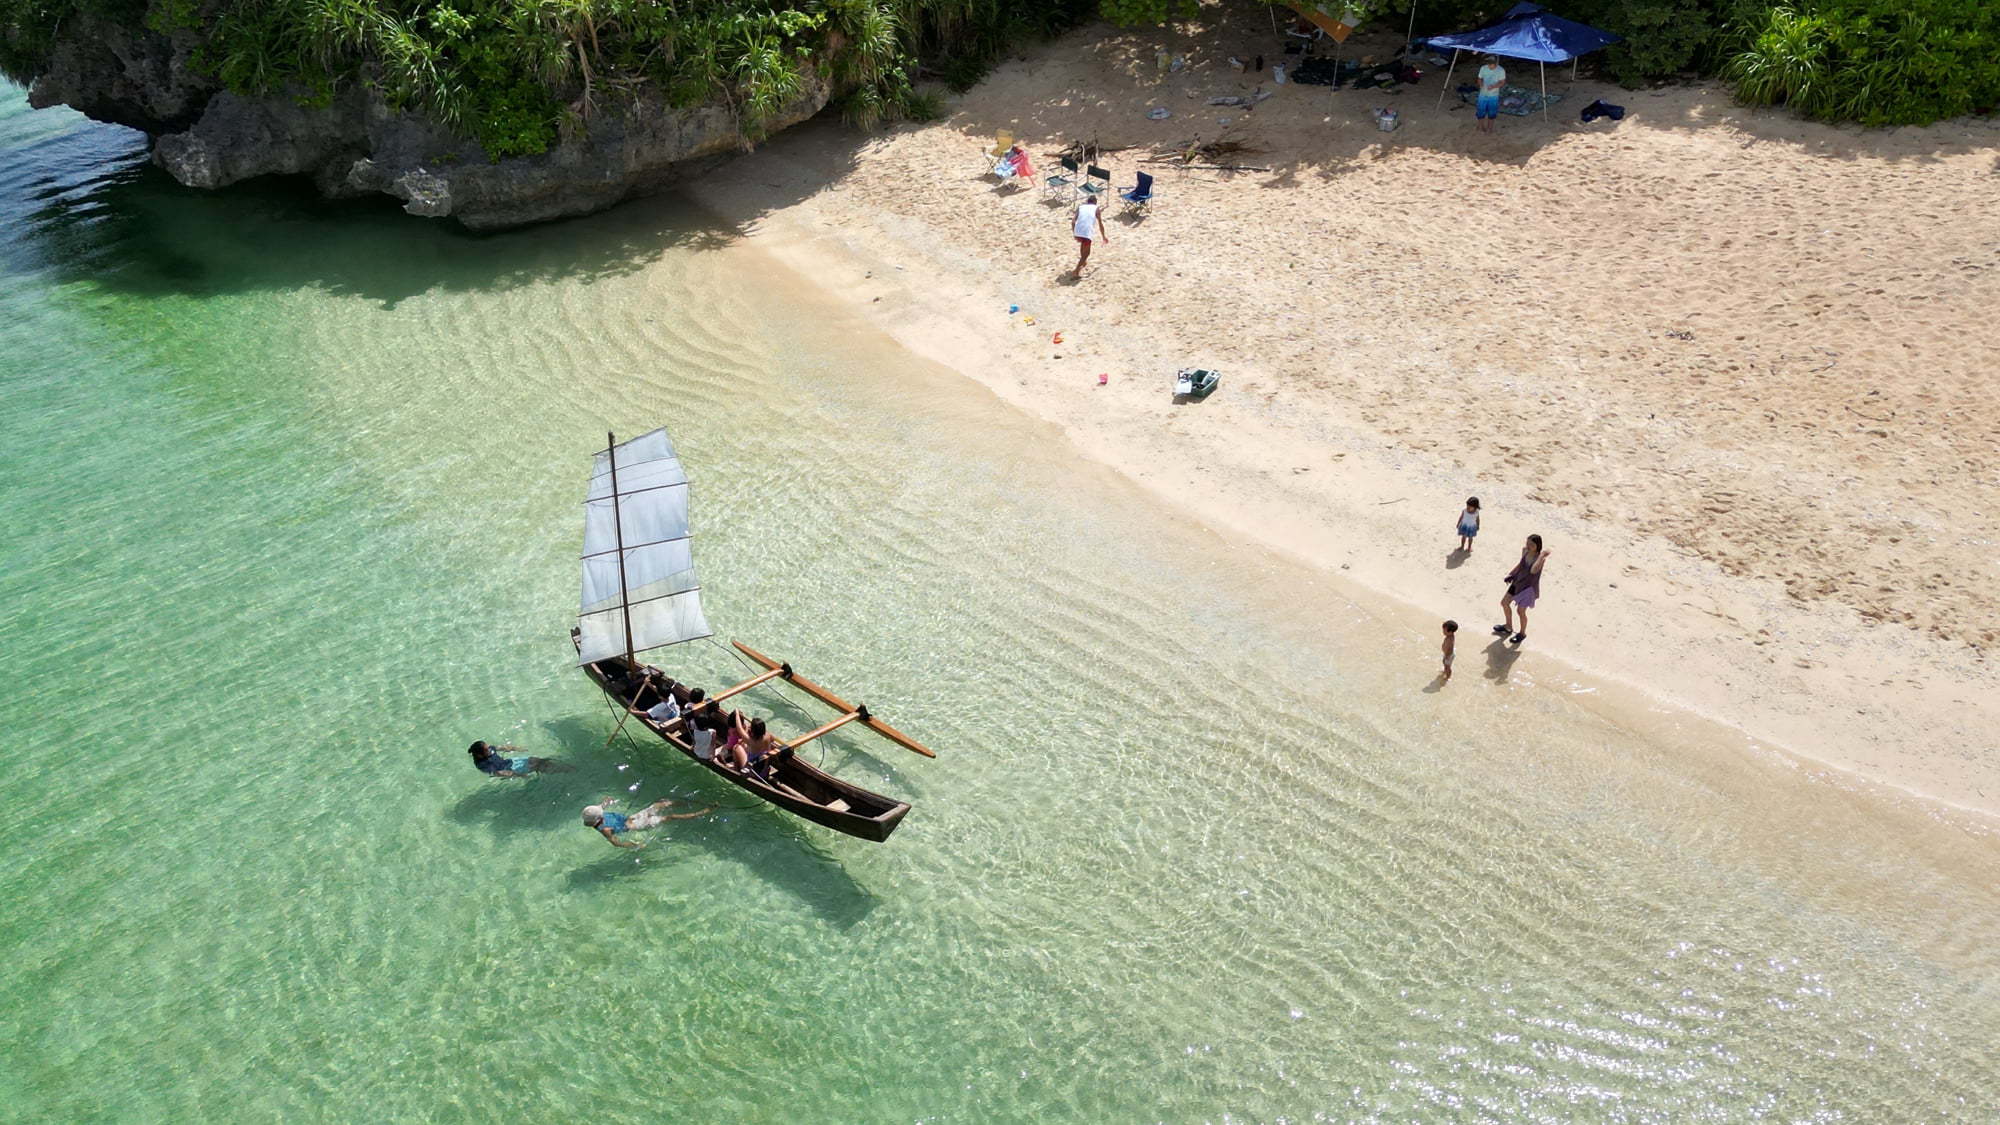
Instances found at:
x=356 y=144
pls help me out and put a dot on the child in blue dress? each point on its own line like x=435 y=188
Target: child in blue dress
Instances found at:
x=1468 y=523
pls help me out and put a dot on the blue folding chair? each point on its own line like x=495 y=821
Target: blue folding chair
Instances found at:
x=1140 y=197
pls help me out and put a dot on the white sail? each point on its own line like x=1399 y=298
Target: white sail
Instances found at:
x=655 y=589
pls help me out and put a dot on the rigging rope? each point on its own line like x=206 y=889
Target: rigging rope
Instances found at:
x=636 y=752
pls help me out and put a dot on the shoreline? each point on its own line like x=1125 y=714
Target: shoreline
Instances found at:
x=1350 y=496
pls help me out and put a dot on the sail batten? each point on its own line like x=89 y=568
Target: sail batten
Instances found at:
x=638 y=557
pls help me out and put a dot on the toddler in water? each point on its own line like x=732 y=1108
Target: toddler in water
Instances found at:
x=1450 y=646
x=1468 y=523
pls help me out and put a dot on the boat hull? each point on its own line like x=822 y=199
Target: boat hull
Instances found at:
x=796 y=785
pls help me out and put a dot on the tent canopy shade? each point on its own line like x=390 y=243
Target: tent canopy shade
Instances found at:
x=1527 y=32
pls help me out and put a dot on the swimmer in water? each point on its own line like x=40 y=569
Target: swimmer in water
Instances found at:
x=611 y=824
x=492 y=762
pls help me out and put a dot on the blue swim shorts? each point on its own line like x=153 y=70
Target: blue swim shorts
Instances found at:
x=1487 y=106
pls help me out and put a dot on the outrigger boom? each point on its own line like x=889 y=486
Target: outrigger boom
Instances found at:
x=852 y=712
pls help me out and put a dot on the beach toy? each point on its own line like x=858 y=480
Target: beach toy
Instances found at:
x=1056 y=339
x=1103 y=377
x=1012 y=309
x=1027 y=320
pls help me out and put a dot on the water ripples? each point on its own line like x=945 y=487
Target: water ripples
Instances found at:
x=1196 y=847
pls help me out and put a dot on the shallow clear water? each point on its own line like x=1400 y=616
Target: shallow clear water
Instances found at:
x=292 y=510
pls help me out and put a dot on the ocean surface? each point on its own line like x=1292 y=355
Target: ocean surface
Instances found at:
x=292 y=509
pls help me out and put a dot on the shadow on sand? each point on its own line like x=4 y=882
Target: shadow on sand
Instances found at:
x=1500 y=660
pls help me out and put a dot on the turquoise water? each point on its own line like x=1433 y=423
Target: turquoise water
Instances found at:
x=292 y=511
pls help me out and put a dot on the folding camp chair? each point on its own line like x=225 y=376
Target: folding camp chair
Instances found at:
x=1140 y=197
x=1065 y=180
x=1095 y=181
x=1002 y=141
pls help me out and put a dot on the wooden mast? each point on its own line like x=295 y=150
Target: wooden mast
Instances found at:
x=618 y=530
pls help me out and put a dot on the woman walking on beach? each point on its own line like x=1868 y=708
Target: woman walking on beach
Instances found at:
x=1088 y=226
x=1524 y=586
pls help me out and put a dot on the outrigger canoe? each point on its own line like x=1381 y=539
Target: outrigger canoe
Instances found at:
x=642 y=594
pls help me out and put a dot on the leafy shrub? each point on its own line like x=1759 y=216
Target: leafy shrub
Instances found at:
x=1879 y=62
x=1661 y=36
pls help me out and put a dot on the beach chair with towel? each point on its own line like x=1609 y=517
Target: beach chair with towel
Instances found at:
x=1139 y=200
x=1014 y=165
x=1002 y=141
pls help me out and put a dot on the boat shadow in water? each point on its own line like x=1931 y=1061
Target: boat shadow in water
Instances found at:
x=786 y=861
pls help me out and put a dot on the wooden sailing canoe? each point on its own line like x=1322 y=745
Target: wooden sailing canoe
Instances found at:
x=796 y=785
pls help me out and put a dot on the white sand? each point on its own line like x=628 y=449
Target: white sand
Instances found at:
x=1787 y=522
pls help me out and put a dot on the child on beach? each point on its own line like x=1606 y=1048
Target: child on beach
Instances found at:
x=1468 y=523
x=1450 y=647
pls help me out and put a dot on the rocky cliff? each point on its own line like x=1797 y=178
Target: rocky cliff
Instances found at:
x=207 y=137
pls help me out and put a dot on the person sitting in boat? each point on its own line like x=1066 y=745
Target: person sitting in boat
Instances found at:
x=704 y=726
x=612 y=825
x=757 y=750
x=642 y=679
x=494 y=763
x=670 y=709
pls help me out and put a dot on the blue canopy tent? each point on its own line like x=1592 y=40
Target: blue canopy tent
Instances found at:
x=1525 y=32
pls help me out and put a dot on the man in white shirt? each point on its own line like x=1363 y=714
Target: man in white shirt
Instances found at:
x=1088 y=227
x=1487 y=109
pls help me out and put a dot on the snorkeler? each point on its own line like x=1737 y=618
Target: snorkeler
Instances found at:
x=611 y=825
x=491 y=762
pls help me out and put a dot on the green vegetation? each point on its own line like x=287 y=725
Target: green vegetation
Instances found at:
x=1878 y=62
x=514 y=74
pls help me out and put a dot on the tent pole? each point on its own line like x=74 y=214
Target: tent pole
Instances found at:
x=1272 y=8
x=1410 y=35
x=1447 y=77
x=1545 y=91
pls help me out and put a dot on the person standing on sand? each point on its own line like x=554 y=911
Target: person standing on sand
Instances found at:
x=1524 y=587
x=1450 y=648
x=1468 y=524
x=1487 y=109
x=1088 y=227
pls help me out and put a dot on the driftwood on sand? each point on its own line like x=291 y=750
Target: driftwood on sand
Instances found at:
x=1212 y=155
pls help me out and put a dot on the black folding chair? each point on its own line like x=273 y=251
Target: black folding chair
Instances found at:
x=1095 y=181
x=1066 y=179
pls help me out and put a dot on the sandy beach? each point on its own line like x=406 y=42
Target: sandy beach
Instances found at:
x=1727 y=362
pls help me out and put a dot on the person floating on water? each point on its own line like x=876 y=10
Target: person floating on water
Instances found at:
x=494 y=763
x=611 y=824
